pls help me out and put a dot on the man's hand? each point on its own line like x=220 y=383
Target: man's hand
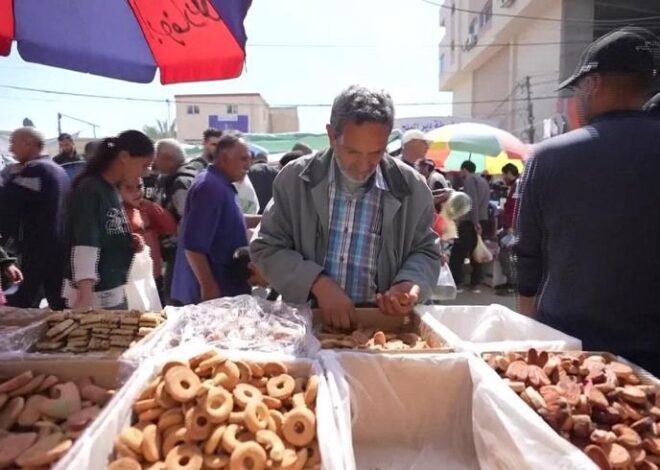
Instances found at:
x=337 y=308
x=478 y=229
x=527 y=306
x=399 y=300
x=210 y=291
x=14 y=275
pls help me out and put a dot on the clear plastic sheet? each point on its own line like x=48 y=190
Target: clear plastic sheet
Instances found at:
x=493 y=328
x=239 y=323
x=437 y=411
x=95 y=448
x=20 y=339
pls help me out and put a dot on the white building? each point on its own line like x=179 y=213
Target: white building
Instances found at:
x=248 y=112
x=503 y=59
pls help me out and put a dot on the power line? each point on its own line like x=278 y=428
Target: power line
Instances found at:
x=300 y=105
x=540 y=18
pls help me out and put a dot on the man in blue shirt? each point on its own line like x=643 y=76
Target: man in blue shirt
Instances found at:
x=213 y=227
x=589 y=216
x=32 y=199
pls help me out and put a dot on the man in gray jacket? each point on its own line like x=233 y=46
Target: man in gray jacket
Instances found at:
x=351 y=225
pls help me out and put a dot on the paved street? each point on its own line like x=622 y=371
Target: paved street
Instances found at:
x=486 y=297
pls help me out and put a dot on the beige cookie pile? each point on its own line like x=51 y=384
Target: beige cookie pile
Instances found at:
x=365 y=338
x=41 y=416
x=103 y=331
x=599 y=405
x=213 y=413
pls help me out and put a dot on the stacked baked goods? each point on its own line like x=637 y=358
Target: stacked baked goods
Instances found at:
x=370 y=338
x=599 y=404
x=41 y=416
x=211 y=412
x=97 y=331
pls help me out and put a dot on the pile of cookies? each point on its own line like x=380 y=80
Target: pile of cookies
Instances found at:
x=598 y=404
x=101 y=331
x=41 y=417
x=210 y=412
x=372 y=339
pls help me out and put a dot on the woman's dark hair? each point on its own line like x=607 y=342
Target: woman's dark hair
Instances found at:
x=134 y=142
x=511 y=169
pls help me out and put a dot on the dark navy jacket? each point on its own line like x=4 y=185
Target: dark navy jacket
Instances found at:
x=589 y=235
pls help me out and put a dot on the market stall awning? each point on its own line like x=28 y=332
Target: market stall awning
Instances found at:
x=280 y=143
x=129 y=39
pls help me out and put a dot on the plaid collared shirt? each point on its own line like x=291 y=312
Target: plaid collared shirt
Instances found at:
x=356 y=222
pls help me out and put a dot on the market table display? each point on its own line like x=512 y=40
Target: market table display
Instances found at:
x=607 y=408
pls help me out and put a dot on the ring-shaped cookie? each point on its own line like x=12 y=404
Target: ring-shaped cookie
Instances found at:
x=229 y=441
x=198 y=424
x=272 y=443
x=272 y=403
x=181 y=383
x=312 y=389
x=299 y=427
x=227 y=375
x=125 y=463
x=298 y=400
x=163 y=398
x=195 y=361
x=173 y=438
x=256 y=416
x=314 y=455
x=257 y=370
x=272 y=369
x=245 y=371
x=218 y=404
x=281 y=387
x=248 y=455
x=151 y=443
x=211 y=362
x=184 y=457
x=170 y=418
x=278 y=418
x=215 y=461
x=213 y=442
x=245 y=393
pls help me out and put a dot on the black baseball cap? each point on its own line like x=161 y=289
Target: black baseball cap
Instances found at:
x=629 y=50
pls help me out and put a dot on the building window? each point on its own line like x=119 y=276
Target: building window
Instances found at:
x=486 y=14
x=193 y=109
x=232 y=109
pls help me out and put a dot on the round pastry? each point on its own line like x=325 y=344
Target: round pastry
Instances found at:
x=181 y=383
x=184 y=457
x=299 y=427
x=256 y=416
x=248 y=455
x=244 y=393
x=218 y=405
x=281 y=387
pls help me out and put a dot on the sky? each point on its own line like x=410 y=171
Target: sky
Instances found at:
x=390 y=44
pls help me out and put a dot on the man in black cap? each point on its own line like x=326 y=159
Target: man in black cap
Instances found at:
x=68 y=152
x=589 y=217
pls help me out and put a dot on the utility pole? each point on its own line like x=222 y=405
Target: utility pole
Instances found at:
x=59 y=124
x=530 y=110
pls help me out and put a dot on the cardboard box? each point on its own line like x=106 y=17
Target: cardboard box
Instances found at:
x=374 y=318
x=107 y=373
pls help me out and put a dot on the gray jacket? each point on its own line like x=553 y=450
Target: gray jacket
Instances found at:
x=292 y=242
x=477 y=188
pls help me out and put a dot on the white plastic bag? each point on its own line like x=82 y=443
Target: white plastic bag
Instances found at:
x=140 y=289
x=445 y=288
x=493 y=328
x=437 y=411
x=95 y=451
x=481 y=253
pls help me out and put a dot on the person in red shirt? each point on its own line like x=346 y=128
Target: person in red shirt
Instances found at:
x=510 y=174
x=151 y=221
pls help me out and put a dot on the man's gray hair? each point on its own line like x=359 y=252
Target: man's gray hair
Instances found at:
x=171 y=147
x=360 y=104
x=36 y=136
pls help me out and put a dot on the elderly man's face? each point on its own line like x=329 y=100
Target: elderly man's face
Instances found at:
x=22 y=146
x=166 y=163
x=360 y=148
x=235 y=162
x=416 y=149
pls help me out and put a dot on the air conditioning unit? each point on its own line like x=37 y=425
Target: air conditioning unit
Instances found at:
x=506 y=3
x=470 y=42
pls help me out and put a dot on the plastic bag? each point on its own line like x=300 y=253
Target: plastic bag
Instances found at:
x=445 y=288
x=481 y=253
x=437 y=411
x=243 y=322
x=493 y=328
x=94 y=449
x=508 y=240
x=141 y=290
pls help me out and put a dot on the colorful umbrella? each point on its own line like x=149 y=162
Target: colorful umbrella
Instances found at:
x=488 y=147
x=188 y=40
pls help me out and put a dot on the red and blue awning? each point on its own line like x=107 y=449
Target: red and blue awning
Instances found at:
x=188 y=40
